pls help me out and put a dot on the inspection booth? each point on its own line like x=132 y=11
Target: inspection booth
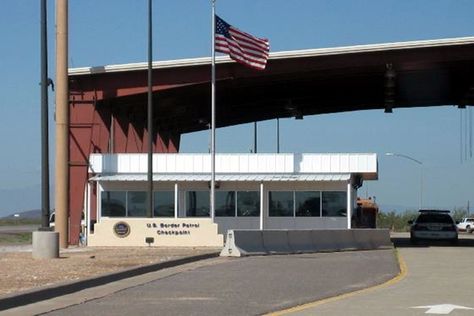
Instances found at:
x=253 y=191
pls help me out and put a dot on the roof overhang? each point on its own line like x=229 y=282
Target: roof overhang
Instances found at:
x=260 y=167
x=294 y=84
x=344 y=177
x=304 y=53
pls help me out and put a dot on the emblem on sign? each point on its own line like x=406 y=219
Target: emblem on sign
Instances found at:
x=121 y=229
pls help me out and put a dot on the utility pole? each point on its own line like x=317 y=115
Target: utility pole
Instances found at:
x=45 y=243
x=44 y=120
x=62 y=123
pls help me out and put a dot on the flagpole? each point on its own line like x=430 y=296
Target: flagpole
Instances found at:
x=213 y=112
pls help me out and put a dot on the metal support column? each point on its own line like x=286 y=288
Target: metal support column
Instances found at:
x=262 y=214
x=176 y=196
x=349 y=204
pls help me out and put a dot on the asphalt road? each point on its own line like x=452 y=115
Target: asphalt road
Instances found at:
x=247 y=286
x=438 y=276
x=15 y=229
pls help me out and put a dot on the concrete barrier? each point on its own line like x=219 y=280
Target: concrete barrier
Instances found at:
x=364 y=239
x=301 y=241
x=276 y=242
x=256 y=242
x=323 y=240
x=343 y=239
x=380 y=238
x=240 y=243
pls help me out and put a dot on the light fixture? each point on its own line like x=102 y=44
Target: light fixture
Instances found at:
x=298 y=115
x=294 y=110
x=389 y=88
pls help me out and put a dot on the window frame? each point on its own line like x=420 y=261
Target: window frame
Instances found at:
x=237 y=203
x=321 y=192
x=333 y=191
x=174 y=206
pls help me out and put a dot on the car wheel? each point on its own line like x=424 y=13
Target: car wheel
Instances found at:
x=469 y=229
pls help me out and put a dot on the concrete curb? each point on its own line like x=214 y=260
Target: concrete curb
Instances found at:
x=41 y=294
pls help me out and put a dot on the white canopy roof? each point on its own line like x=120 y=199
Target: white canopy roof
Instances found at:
x=224 y=177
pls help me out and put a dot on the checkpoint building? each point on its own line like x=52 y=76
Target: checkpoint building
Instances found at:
x=108 y=136
x=253 y=191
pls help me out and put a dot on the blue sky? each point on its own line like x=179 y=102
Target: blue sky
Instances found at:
x=114 y=31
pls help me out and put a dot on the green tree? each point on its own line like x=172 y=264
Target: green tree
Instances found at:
x=395 y=221
x=459 y=213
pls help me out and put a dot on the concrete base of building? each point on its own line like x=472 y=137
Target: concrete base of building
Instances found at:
x=45 y=245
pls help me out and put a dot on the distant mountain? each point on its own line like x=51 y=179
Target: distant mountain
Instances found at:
x=31 y=214
x=16 y=200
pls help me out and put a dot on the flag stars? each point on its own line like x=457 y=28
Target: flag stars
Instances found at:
x=242 y=47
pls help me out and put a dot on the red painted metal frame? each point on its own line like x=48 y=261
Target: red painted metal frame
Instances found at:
x=90 y=131
x=105 y=104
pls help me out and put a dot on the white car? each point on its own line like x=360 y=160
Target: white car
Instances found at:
x=466 y=224
x=433 y=225
x=52 y=219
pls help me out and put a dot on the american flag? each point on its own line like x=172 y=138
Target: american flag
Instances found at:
x=240 y=46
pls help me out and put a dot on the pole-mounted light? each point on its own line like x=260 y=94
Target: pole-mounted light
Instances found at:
x=421 y=172
x=389 y=88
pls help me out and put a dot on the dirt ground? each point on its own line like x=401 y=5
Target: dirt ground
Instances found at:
x=20 y=272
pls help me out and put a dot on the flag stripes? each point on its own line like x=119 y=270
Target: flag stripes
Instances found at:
x=242 y=47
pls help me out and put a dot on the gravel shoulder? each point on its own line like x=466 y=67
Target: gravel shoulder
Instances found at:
x=20 y=272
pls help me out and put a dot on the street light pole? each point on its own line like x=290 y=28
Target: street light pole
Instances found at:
x=421 y=172
x=44 y=120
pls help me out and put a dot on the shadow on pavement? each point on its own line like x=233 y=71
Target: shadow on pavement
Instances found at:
x=404 y=242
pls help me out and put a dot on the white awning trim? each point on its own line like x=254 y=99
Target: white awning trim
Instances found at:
x=223 y=177
x=190 y=62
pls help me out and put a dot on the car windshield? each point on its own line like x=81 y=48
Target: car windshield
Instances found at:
x=434 y=218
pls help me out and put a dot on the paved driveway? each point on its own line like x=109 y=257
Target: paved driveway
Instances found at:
x=247 y=286
x=438 y=276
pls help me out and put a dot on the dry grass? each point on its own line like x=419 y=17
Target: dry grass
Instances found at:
x=19 y=271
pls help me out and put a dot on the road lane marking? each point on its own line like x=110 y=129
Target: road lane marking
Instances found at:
x=442 y=308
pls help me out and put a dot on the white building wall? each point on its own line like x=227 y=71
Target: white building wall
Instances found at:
x=241 y=164
x=365 y=164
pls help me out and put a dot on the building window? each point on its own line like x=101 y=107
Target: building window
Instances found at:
x=225 y=203
x=308 y=203
x=334 y=204
x=248 y=203
x=163 y=204
x=114 y=203
x=281 y=203
x=136 y=204
x=197 y=204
